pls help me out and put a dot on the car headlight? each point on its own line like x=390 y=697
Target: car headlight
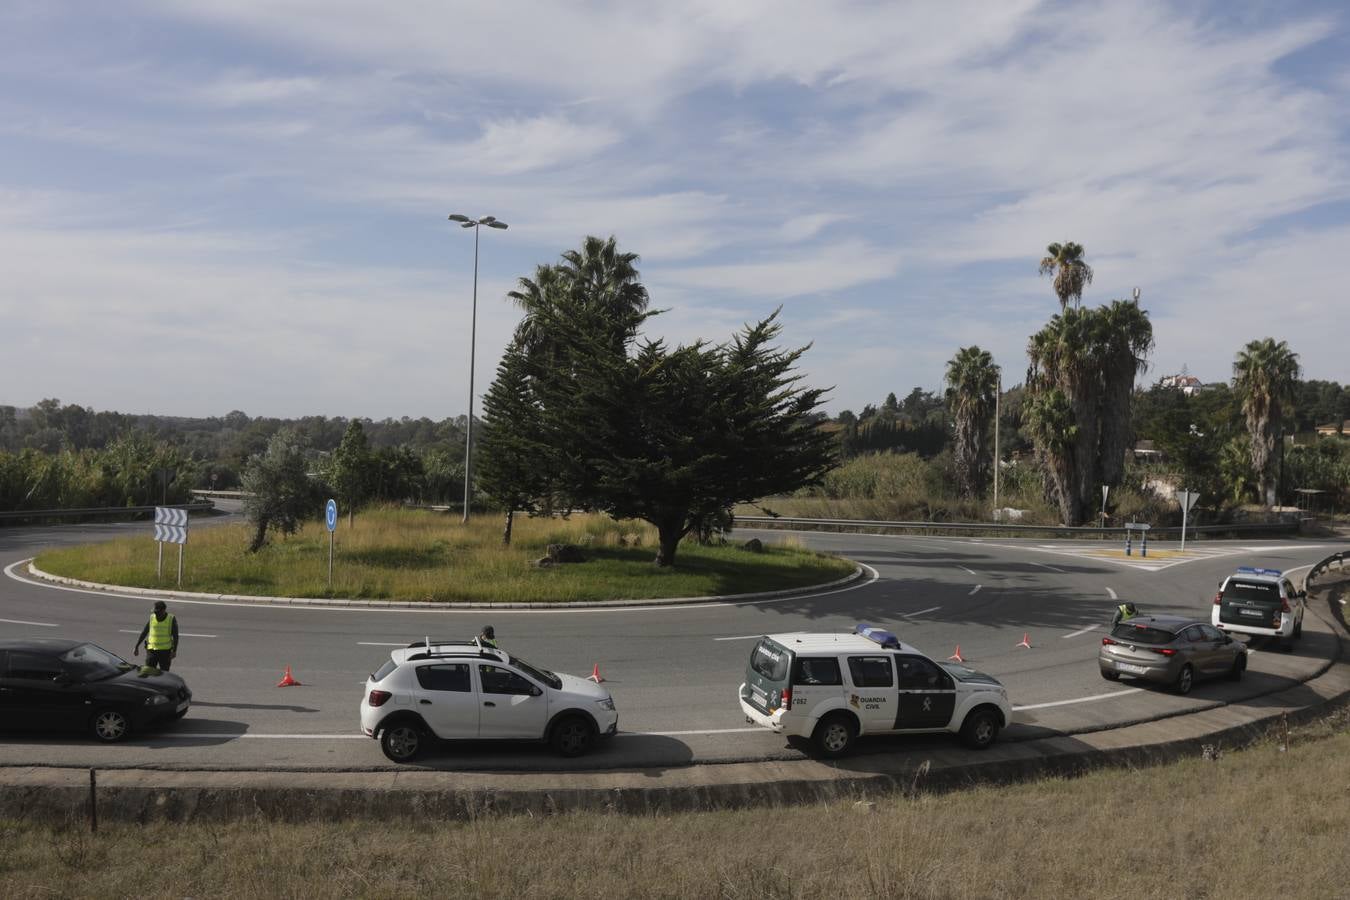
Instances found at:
x=156 y=700
x=607 y=703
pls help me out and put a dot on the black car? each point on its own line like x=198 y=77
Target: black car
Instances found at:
x=62 y=685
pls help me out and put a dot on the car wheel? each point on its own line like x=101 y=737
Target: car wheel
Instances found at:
x=1298 y=628
x=1110 y=676
x=1186 y=680
x=834 y=736
x=980 y=728
x=572 y=736
x=110 y=725
x=402 y=742
x=1239 y=666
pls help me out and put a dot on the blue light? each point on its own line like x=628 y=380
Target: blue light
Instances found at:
x=1249 y=570
x=880 y=635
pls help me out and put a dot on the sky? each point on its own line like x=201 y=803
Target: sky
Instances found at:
x=213 y=205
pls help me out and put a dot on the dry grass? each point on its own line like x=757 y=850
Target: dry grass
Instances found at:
x=421 y=555
x=1257 y=823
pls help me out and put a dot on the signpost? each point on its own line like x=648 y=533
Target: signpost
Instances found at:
x=1186 y=498
x=1130 y=529
x=171 y=525
x=1105 y=490
x=330 y=516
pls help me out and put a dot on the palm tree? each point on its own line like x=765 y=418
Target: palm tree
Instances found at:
x=972 y=380
x=1126 y=337
x=1263 y=375
x=1064 y=380
x=1071 y=273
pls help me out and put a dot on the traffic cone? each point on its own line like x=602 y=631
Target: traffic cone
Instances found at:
x=595 y=674
x=957 y=655
x=1025 y=642
x=288 y=680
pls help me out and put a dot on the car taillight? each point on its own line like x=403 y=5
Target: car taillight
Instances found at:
x=1217 y=598
x=1284 y=605
x=787 y=698
x=1165 y=651
x=377 y=698
x=1106 y=641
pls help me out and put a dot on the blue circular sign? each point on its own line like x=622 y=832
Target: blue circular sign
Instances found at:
x=330 y=515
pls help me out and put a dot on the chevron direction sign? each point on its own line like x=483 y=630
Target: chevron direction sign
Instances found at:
x=171 y=525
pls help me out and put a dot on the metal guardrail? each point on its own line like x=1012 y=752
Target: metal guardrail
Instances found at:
x=1338 y=558
x=97 y=511
x=993 y=528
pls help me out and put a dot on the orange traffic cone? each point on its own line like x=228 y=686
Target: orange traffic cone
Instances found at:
x=288 y=680
x=1025 y=642
x=595 y=674
x=957 y=655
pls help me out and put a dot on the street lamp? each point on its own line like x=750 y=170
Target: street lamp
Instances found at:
x=466 y=222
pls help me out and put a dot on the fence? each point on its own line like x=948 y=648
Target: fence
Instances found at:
x=96 y=512
x=964 y=528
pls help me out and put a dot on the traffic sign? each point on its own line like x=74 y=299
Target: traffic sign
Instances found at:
x=173 y=534
x=166 y=515
x=330 y=515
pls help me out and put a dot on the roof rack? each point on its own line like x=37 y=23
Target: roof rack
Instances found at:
x=477 y=652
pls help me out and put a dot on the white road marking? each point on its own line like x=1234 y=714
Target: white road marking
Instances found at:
x=1081 y=631
x=964 y=569
x=22 y=622
x=873 y=577
x=688 y=733
x=1047 y=566
x=740 y=637
x=233 y=735
x=380 y=644
x=181 y=633
x=1112 y=593
x=919 y=612
x=1091 y=699
x=975 y=590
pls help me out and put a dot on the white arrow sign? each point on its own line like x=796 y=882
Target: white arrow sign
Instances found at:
x=172 y=534
x=165 y=515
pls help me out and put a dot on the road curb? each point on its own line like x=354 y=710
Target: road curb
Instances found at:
x=859 y=572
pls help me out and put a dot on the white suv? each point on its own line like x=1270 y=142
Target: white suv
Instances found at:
x=833 y=687
x=1260 y=602
x=465 y=691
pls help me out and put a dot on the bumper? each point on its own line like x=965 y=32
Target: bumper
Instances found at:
x=755 y=717
x=1286 y=628
x=1163 y=672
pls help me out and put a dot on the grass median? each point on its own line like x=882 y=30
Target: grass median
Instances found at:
x=397 y=554
x=1263 y=822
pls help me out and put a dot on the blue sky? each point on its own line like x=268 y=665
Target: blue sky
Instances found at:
x=225 y=204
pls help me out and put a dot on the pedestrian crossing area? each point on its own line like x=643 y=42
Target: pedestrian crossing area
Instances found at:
x=1162 y=555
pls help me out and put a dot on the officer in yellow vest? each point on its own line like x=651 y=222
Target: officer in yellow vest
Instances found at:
x=160 y=635
x=1124 y=613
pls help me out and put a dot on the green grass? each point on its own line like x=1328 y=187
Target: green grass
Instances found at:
x=394 y=554
x=1256 y=823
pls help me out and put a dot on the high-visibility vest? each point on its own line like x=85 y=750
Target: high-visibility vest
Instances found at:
x=161 y=634
x=1125 y=612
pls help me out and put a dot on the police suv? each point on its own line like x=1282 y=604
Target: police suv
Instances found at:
x=1259 y=602
x=831 y=688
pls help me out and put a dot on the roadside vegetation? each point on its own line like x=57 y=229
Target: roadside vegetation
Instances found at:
x=388 y=553
x=1262 y=822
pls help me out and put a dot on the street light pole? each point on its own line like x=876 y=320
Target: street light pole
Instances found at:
x=466 y=222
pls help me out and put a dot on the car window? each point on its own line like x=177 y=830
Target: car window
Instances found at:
x=497 y=680
x=1252 y=590
x=1212 y=633
x=917 y=672
x=1142 y=634
x=817 y=670
x=383 y=671
x=34 y=666
x=1193 y=634
x=870 y=671
x=770 y=660
x=444 y=677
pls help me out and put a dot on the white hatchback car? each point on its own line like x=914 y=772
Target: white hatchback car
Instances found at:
x=833 y=687
x=453 y=690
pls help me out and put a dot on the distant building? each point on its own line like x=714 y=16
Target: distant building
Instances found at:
x=1187 y=384
x=1331 y=429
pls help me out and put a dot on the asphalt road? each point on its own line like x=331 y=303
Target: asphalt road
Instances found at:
x=673 y=671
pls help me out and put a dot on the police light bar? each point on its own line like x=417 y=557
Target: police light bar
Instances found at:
x=880 y=635
x=1249 y=570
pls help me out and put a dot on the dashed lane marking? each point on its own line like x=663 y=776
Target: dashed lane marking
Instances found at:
x=380 y=644
x=1081 y=630
x=739 y=637
x=964 y=569
x=919 y=612
x=1048 y=566
x=975 y=590
x=22 y=622
x=1112 y=593
x=1091 y=699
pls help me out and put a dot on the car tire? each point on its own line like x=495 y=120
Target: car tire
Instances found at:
x=109 y=725
x=1298 y=628
x=1110 y=676
x=834 y=736
x=981 y=728
x=1185 y=680
x=402 y=741
x=572 y=736
x=1239 y=666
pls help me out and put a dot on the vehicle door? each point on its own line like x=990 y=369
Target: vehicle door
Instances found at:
x=1251 y=602
x=1200 y=651
x=513 y=706
x=927 y=693
x=445 y=698
x=41 y=695
x=1225 y=648
x=1294 y=597
x=815 y=680
x=872 y=692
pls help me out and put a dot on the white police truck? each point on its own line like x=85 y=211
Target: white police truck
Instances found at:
x=832 y=688
x=1260 y=602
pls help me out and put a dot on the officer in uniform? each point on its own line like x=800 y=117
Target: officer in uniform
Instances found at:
x=488 y=637
x=160 y=635
x=1124 y=612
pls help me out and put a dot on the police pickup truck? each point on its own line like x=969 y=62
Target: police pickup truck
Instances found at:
x=1260 y=602
x=831 y=688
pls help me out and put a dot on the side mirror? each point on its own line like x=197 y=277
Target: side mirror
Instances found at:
x=536 y=691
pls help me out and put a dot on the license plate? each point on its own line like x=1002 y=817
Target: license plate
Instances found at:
x=1131 y=667
x=1253 y=612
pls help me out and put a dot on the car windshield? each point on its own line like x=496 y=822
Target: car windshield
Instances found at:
x=1142 y=634
x=539 y=674
x=90 y=662
x=770 y=660
x=1252 y=590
